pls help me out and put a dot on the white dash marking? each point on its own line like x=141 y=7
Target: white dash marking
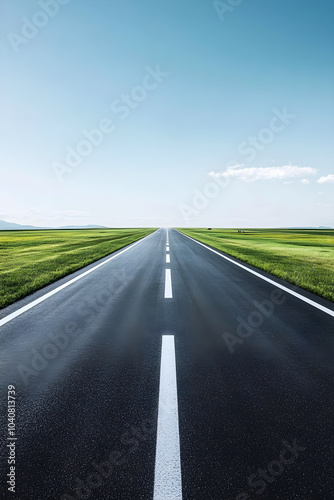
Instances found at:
x=167 y=248
x=167 y=475
x=168 y=285
x=168 y=259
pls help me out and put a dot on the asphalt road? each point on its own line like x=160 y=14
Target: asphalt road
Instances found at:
x=205 y=382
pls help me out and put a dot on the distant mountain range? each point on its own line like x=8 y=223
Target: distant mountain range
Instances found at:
x=10 y=226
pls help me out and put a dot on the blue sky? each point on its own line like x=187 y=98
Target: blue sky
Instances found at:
x=210 y=113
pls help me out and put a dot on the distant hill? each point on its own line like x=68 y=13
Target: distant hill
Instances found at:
x=10 y=226
x=4 y=225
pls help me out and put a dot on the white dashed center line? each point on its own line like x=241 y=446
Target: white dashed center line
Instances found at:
x=168 y=285
x=167 y=258
x=167 y=476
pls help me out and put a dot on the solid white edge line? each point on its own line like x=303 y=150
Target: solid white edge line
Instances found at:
x=168 y=259
x=272 y=282
x=167 y=474
x=34 y=303
x=168 y=285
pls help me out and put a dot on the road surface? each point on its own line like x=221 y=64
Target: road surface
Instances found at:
x=169 y=372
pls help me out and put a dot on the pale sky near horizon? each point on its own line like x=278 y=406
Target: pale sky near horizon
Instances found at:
x=210 y=113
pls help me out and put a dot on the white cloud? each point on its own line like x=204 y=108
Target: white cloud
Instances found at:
x=250 y=174
x=304 y=181
x=327 y=178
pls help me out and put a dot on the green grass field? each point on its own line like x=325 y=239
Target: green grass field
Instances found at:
x=30 y=260
x=302 y=257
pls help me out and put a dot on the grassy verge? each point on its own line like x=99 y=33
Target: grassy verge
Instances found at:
x=302 y=257
x=30 y=260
